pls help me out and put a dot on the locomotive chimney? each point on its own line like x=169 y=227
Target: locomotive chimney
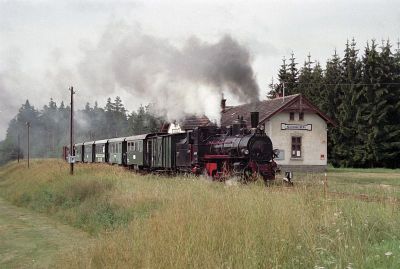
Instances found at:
x=223 y=104
x=254 y=119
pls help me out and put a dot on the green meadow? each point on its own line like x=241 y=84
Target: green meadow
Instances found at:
x=127 y=220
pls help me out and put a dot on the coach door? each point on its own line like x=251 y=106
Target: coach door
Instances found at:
x=149 y=147
x=160 y=152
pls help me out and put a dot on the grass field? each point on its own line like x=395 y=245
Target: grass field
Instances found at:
x=153 y=221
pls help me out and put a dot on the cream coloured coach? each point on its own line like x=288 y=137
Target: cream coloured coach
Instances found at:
x=296 y=127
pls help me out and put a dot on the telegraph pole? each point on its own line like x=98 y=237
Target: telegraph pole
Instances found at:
x=28 y=124
x=71 y=150
x=18 y=148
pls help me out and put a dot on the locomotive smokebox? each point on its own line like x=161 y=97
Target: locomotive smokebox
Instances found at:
x=254 y=119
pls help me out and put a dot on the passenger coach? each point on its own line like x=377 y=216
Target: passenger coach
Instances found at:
x=88 y=149
x=79 y=152
x=116 y=150
x=101 y=151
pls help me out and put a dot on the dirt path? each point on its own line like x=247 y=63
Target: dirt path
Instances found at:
x=32 y=240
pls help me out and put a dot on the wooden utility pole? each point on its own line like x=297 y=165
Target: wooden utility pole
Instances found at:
x=71 y=138
x=18 y=148
x=28 y=124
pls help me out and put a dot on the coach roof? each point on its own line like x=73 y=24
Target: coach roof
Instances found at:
x=104 y=141
x=117 y=139
x=142 y=136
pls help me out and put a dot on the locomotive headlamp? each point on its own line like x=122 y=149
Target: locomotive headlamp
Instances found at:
x=246 y=151
x=261 y=127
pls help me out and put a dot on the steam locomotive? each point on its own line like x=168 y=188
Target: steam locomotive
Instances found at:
x=218 y=152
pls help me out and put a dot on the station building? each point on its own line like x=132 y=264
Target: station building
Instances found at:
x=296 y=127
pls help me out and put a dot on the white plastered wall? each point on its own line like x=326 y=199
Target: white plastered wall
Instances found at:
x=314 y=143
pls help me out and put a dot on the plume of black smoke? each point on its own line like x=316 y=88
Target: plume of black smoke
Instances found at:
x=225 y=65
x=179 y=80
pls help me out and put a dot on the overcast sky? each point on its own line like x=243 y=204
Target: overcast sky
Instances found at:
x=45 y=45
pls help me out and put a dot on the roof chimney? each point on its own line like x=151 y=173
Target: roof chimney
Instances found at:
x=254 y=117
x=223 y=104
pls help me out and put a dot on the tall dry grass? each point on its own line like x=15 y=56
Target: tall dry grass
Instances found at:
x=186 y=222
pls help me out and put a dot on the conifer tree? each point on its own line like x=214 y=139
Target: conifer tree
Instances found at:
x=351 y=77
x=305 y=78
x=273 y=91
x=315 y=88
x=282 y=80
x=330 y=101
x=292 y=77
x=389 y=115
x=331 y=92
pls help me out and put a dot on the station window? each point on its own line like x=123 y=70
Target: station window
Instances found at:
x=301 y=116
x=291 y=116
x=296 y=147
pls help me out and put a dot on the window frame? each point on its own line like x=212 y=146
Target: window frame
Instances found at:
x=291 y=116
x=301 y=116
x=296 y=146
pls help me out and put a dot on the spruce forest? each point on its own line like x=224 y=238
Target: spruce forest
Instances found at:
x=49 y=130
x=360 y=91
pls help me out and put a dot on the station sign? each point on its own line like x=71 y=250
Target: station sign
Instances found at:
x=71 y=159
x=303 y=127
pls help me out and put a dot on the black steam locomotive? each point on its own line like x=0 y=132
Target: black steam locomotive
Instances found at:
x=219 y=152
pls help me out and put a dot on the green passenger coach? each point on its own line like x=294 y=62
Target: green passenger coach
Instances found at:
x=117 y=150
x=88 y=149
x=137 y=154
x=162 y=150
x=101 y=151
x=79 y=152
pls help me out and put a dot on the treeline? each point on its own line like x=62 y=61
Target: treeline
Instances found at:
x=50 y=127
x=361 y=93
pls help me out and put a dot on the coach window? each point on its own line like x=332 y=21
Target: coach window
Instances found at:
x=296 y=147
x=301 y=116
x=291 y=116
